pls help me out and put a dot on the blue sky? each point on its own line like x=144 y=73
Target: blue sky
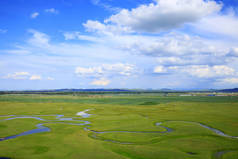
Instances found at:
x=177 y=44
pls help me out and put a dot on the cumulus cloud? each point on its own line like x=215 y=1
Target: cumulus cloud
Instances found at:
x=160 y=69
x=107 y=29
x=50 y=78
x=159 y=16
x=171 y=44
x=219 y=74
x=71 y=35
x=233 y=52
x=38 y=39
x=121 y=38
x=22 y=76
x=193 y=59
x=106 y=70
x=16 y=51
x=168 y=45
x=35 y=77
x=205 y=71
x=100 y=82
x=174 y=48
x=35 y=15
x=18 y=75
x=170 y=60
x=215 y=25
x=229 y=80
x=105 y=5
x=77 y=36
x=52 y=10
x=90 y=71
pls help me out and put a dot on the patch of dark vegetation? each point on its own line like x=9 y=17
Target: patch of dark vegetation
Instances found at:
x=3 y=126
x=191 y=153
x=40 y=149
x=122 y=100
x=149 y=103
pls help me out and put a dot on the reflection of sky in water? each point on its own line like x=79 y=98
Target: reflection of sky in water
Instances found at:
x=84 y=114
x=40 y=127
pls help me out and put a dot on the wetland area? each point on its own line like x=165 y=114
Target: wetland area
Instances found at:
x=118 y=126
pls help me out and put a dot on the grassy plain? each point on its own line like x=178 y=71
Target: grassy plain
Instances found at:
x=121 y=113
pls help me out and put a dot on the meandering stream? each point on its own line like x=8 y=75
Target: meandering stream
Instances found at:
x=59 y=119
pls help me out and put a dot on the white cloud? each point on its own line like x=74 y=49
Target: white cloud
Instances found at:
x=35 y=77
x=160 y=69
x=15 y=51
x=95 y=2
x=18 y=75
x=38 y=39
x=34 y=15
x=2 y=31
x=175 y=48
x=215 y=25
x=193 y=59
x=204 y=71
x=50 y=78
x=77 y=36
x=230 y=80
x=170 y=60
x=100 y=82
x=106 y=70
x=175 y=53
x=21 y=73
x=105 y=6
x=173 y=67
x=159 y=16
x=122 y=69
x=165 y=45
x=22 y=76
x=233 y=52
x=71 y=35
x=107 y=29
x=91 y=71
x=52 y=10
x=94 y=25
x=171 y=44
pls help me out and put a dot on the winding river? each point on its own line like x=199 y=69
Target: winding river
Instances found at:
x=60 y=119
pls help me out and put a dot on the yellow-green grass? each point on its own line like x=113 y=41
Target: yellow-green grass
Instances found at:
x=231 y=155
x=16 y=126
x=120 y=113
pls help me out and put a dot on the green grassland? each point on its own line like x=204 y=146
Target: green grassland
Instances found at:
x=113 y=113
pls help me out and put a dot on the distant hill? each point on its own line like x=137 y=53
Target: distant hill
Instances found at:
x=66 y=91
x=113 y=91
x=81 y=90
x=229 y=90
x=90 y=90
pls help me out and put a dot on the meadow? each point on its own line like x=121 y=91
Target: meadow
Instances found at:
x=121 y=127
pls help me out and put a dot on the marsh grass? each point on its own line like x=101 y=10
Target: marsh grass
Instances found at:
x=122 y=113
